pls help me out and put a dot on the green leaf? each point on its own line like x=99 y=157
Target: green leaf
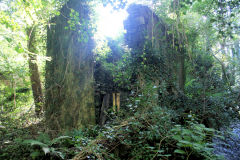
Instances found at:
x=164 y=155
x=187 y=138
x=189 y=83
x=34 y=142
x=183 y=143
x=35 y=154
x=19 y=49
x=60 y=154
x=209 y=129
x=160 y=151
x=57 y=13
x=187 y=131
x=179 y=151
x=60 y=138
x=177 y=137
x=8 y=39
x=198 y=146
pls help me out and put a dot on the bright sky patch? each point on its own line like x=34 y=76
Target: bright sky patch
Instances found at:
x=110 y=22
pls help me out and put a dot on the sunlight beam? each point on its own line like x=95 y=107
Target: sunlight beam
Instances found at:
x=110 y=22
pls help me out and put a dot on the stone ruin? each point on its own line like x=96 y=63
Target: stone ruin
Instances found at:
x=143 y=24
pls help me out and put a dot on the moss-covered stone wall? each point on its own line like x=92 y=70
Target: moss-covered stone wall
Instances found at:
x=69 y=75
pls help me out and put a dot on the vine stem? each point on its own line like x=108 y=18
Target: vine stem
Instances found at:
x=189 y=155
x=159 y=146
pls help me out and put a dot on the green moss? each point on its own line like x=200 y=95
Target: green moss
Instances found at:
x=69 y=75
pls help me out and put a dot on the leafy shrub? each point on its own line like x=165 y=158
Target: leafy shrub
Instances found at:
x=14 y=149
x=193 y=140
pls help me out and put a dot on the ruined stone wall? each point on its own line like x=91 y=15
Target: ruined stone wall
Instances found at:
x=69 y=75
x=147 y=34
x=143 y=24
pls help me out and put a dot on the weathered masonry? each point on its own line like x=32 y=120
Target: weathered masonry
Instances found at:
x=69 y=75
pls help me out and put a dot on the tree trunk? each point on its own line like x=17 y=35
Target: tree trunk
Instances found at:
x=69 y=75
x=181 y=71
x=34 y=73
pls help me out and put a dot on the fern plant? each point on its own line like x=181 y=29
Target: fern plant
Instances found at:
x=46 y=145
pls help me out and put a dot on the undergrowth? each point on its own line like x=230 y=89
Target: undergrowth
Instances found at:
x=148 y=134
